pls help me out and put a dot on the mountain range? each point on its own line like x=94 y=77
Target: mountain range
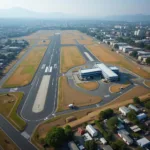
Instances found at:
x=17 y=12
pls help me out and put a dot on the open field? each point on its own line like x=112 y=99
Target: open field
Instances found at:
x=67 y=95
x=14 y=62
x=8 y=108
x=87 y=115
x=86 y=42
x=6 y=143
x=26 y=70
x=70 y=57
x=117 y=87
x=43 y=42
x=68 y=41
x=107 y=56
x=89 y=85
x=147 y=83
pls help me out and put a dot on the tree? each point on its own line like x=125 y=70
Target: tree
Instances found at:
x=132 y=116
x=136 y=100
x=68 y=132
x=112 y=123
x=119 y=145
x=116 y=46
x=148 y=60
x=55 y=137
x=106 y=114
x=134 y=54
x=90 y=145
x=147 y=105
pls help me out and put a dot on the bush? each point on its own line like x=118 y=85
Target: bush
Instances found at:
x=90 y=145
x=119 y=145
x=147 y=105
x=136 y=100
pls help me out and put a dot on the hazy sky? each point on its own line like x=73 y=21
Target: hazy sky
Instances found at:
x=82 y=7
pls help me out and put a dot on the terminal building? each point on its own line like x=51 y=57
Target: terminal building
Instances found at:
x=100 y=69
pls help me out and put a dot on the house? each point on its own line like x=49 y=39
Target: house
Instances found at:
x=81 y=131
x=131 y=106
x=143 y=142
x=103 y=141
x=125 y=136
x=124 y=110
x=141 y=116
x=135 y=128
x=91 y=130
x=147 y=123
x=87 y=137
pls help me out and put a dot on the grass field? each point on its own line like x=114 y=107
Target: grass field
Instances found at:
x=8 y=108
x=117 y=87
x=89 y=85
x=26 y=70
x=70 y=57
x=107 y=56
x=68 y=95
x=86 y=42
x=43 y=42
x=6 y=143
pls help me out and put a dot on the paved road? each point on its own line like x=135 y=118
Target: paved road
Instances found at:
x=15 y=135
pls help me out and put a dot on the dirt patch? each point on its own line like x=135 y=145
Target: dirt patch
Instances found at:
x=70 y=57
x=6 y=143
x=89 y=85
x=26 y=70
x=118 y=87
x=68 y=95
x=147 y=83
x=107 y=56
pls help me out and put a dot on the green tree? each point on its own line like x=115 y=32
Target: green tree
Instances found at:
x=134 y=54
x=68 y=132
x=136 y=100
x=148 y=60
x=116 y=46
x=90 y=145
x=132 y=116
x=119 y=145
x=106 y=114
x=112 y=123
x=55 y=137
x=147 y=105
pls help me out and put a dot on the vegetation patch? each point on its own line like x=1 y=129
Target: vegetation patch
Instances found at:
x=8 y=108
x=89 y=85
x=70 y=57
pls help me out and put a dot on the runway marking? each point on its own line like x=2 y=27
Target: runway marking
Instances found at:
x=88 y=56
x=50 y=69
x=26 y=135
x=106 y=95
x=52 y=81
x=97 y=105
x=43 y=66
x=13 y=89
x=46 y=70
x=40 y=99
x=37 y=82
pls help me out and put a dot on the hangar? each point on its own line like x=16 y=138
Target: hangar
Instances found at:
x=100 y=69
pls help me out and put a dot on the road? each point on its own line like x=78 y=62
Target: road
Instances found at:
x=48 y=67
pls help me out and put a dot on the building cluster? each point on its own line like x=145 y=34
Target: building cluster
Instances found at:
x=9 y=49
x=100 y=70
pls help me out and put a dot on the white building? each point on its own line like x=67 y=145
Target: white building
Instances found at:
x=91 y=130
x=103 y=141
x=143 y=142
x=87 y=137
x=131 y=106
x=124 y=110
x=141 y=116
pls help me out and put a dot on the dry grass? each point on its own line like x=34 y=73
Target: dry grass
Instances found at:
x=8 y=108
x=68 y=95
x=14 y=62
x=26 y=70
x=86 y=42
x=121 y=101
x=68 y=41
x=6 y=143
x=44 y=42
x=117 y=87
x=89 y=85
x=147 y=83
x=70 y=57
x=106 y=55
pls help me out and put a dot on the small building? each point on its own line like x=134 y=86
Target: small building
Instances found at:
x=147 y=123
x=107 y=147
x=72 y=146
x=81 y=131
x=124 y=110
x=91 y=130
x=143 y=142
x=127 y=49
x=131 y=106
x=115 y=69
x=140 y=53
x=135 y=128
x=141 y=116
x=126 y=121
x=125 y=136
x=103 y=141
x=87 y=137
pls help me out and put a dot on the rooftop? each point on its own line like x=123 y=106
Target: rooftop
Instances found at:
x=143 y=141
